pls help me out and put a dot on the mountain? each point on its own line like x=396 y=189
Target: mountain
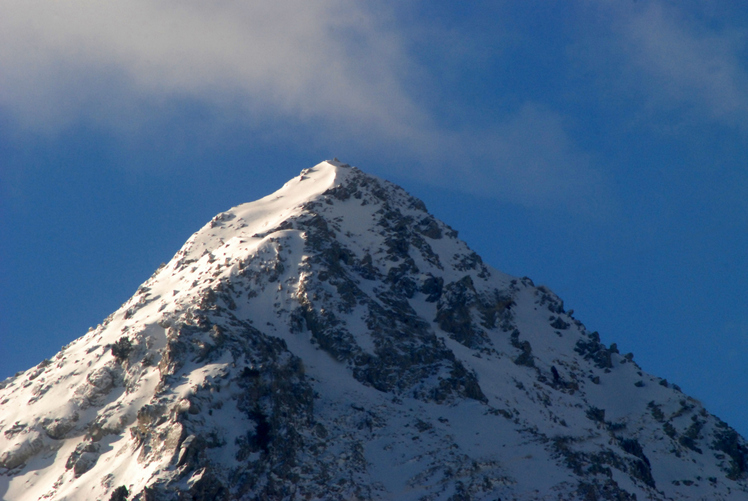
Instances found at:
x=335 y=341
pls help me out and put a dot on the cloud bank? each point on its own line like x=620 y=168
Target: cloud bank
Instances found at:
x=300 y=59
x=340 y=69
x=339 y=64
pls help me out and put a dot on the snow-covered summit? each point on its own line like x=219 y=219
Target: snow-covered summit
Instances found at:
x=258 y=216
x=334 y=340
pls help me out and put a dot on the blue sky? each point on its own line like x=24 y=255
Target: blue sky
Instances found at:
x=598 y=147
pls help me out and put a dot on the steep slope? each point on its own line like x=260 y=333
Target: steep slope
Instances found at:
x=335 y=341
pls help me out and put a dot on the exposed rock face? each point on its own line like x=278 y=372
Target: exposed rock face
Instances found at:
x=335 y=341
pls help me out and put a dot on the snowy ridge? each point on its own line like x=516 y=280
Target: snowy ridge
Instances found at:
x=334 y=340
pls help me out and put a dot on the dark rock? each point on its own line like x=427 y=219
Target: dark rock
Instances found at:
x=432 y=287
x=596 y=414
x=454 y=313
x=122 y=349
x=595 y=351
x=728 y=441
x=559 y=324
x=428 y=227
x=525 y=357
x=120 y=494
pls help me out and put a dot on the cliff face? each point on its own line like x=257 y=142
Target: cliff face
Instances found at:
x=335 y=341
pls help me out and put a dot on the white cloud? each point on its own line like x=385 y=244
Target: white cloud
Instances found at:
x=299 y=59
x=681 y=62
x=339 y=68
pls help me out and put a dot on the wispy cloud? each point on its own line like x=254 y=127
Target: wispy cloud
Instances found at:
x=330 y=66
x=527 y=158
x=300 y=59
x=683 y=62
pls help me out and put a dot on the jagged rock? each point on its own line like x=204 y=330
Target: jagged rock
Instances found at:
x=21 y=451
x=57 y=428
x=83 y=458
x=120 y=494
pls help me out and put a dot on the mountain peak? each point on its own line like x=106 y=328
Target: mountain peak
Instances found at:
x=334 y=340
